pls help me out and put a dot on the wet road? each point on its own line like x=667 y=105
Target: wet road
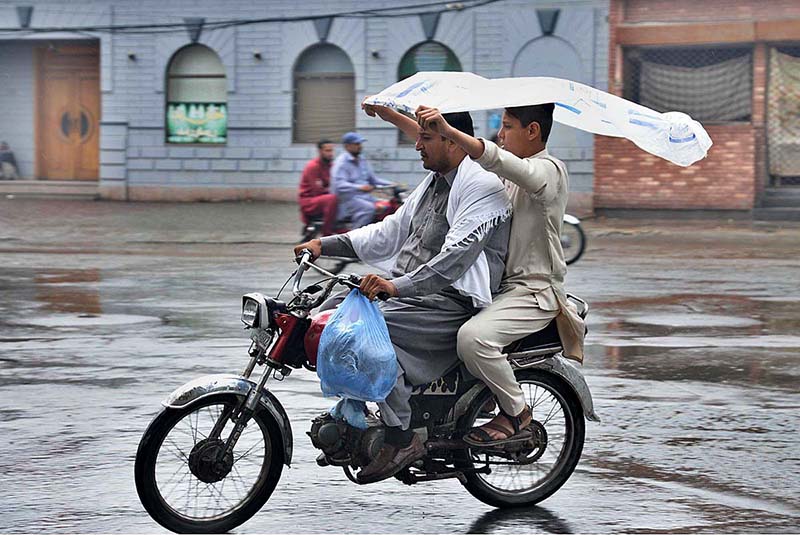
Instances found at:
x=693 y=359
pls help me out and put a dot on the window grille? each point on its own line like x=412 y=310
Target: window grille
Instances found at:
x=713 y=85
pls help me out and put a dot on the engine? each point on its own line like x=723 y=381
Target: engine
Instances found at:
x=345 y=445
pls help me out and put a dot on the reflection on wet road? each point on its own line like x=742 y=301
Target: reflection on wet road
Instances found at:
x=693 y=360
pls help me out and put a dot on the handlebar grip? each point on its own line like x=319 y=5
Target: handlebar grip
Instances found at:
x=355 y=280
x=303 y=253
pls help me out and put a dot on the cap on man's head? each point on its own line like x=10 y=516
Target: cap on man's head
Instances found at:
x=353 y=137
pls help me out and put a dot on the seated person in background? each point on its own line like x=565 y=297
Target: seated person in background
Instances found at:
x=8 y=164
x=353 y=179
x=314 y=195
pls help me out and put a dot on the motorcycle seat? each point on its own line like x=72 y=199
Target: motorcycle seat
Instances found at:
x=546 y=339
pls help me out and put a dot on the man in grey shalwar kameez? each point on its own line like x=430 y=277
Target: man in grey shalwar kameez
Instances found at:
x=445 y=252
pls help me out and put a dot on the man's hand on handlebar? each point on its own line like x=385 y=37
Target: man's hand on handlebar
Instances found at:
x=315 y=246
x=373 y=285
x=366 y=187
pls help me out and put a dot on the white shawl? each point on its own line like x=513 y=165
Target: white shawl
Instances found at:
x=477 y=202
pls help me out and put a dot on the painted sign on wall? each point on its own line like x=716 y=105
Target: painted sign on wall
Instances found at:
x=197 y=122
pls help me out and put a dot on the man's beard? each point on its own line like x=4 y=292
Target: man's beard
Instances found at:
x=433 y=165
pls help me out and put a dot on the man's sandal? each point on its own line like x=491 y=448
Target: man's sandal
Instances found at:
x=513 y=428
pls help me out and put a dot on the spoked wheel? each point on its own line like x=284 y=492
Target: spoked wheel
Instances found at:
x=528 y=473
x=573 y=242
x=184 y=482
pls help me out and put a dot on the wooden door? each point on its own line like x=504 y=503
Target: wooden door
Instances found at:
x=68 y=110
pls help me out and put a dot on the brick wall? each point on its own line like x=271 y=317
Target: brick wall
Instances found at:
x=633 y=179
x=708 y=10
x=734 y=173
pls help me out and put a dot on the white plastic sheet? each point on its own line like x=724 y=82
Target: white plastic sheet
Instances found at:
x=673 y=136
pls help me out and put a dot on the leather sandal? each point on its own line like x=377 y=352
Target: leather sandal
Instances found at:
x=519 y=429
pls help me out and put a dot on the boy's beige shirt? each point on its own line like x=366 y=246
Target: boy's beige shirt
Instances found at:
x=538 y=188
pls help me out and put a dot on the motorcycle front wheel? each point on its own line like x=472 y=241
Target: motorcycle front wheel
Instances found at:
x=186 y=487
x=573 y=242
x=532 y=473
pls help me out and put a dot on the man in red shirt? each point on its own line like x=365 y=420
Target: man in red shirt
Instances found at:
x=315 y=197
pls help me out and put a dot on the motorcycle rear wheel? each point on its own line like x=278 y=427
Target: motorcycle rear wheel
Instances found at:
x=573 y=242
x=542 y=469
x=174 y=441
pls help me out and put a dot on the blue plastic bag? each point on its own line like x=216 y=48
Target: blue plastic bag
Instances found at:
x=351 y=411
x=356 y=359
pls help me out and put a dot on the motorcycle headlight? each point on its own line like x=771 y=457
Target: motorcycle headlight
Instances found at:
x=250 y=312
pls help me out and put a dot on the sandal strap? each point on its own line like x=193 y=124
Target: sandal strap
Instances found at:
x=516 y=421
x=504 y=430
x=478 y=434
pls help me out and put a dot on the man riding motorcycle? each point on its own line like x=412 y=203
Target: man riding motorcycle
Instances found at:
x=314 y=196
x=444 y=250
x=353 y=180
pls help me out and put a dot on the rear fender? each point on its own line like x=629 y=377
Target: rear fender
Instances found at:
x=208 y=385
x=563 y=368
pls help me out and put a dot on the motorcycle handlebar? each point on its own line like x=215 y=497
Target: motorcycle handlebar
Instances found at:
x=304 y=259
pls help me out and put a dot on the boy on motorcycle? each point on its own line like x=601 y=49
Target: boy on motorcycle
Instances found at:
x=532 y=292
x=353 y=180
x=444 y=251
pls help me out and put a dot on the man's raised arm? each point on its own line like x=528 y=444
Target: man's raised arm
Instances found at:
x=403 y=122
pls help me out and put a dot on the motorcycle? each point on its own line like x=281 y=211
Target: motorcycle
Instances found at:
x=573 y=239
x=214 y=454
x=383 y=208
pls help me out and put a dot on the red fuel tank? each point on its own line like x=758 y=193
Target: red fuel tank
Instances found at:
x=311 y=341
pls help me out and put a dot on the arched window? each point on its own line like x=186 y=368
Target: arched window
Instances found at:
x=197 y=110
x=324 y=94
x=427 y=56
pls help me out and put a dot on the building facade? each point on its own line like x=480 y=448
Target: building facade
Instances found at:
x=197 y=110
x=732 y=64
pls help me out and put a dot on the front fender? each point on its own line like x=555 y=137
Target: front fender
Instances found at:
x=571 y=219
x=207 y=385
x=560 y=366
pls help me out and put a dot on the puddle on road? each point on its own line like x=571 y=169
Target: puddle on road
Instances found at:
x=694 y=320
x=85 y=320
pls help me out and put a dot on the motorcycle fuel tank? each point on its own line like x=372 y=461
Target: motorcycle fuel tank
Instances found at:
x=313 y=334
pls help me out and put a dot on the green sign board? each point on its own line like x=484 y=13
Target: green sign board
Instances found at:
x=197 y=122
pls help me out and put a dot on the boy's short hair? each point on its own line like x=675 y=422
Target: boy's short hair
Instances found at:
x=538 y=113
x=323 y=142
x=461 y=121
